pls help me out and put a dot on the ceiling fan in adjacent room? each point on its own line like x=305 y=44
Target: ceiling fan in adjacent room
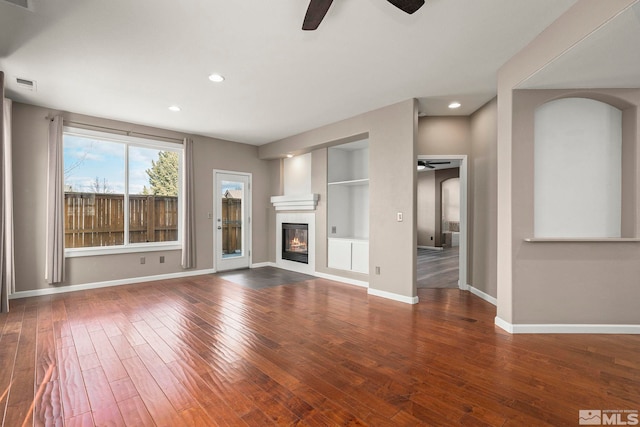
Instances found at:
x=318 y=9
x=424 y=164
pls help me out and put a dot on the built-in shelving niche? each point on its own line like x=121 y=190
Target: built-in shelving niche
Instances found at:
x=348 y=206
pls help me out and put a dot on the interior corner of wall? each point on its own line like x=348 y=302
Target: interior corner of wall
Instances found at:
x=503 y=324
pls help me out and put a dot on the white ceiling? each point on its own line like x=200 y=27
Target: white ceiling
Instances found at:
x=130 y=60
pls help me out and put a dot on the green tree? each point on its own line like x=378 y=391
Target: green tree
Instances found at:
x=163 y=175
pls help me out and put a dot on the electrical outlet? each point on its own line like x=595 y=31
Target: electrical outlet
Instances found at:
x=399 y=216
x=377 y=270
x=162 y=259
x=142 y=260
x=209 y=215
x=333 y=229
x=431 y=237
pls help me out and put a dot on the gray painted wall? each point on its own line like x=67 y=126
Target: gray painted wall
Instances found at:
x=392 y=133
x=30 y=130
x=565 y=282
x=30 y=133
x=441 y=176
x=475 y=137
x=472 y=136
x=582 y=283
x=484 y=190
x=426 y=210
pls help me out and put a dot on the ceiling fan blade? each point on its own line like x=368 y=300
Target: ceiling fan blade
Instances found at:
x=408 y=6
x=315 y=13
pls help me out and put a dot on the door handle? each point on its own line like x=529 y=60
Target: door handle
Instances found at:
x=219 y=228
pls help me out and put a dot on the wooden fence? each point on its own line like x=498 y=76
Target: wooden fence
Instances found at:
x=98 y=219
x=231 y=225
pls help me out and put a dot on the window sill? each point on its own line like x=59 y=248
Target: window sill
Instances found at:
x=582 y=240
x=82 y=252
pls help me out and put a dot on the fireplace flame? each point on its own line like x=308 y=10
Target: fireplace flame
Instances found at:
x=296 y=245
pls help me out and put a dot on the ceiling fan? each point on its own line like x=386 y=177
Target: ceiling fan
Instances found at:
x=424 y=164
x=318 y=9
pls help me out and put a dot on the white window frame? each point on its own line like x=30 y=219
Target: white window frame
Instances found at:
x=130 y=141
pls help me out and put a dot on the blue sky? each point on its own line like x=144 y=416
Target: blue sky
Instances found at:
x=230 y=185
x=87 y=158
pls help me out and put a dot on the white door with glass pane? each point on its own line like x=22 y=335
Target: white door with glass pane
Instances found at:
x=232 y=229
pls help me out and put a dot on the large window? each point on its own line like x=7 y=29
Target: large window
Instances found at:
x=121 y=193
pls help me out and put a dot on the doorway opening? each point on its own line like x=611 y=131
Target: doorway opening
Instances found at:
x=442 y=222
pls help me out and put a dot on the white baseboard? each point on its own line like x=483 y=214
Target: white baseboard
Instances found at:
x=263 y=264
x=108 y=283
x=566 y=328
x=363 y=284
x=488 y=298
x=346 y=280
x=433 y=248
x=392 y=296
x=503 y=324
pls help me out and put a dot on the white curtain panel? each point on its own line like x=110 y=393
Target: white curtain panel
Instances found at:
x=54 y=269
x=188 y=232
x=7 y=275
x=7 y=178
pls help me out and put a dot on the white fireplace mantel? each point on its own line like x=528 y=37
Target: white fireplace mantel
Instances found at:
x=305 y=202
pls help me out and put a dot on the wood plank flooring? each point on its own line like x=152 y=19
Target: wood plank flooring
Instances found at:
x=263 y=277
x=206 y=352
x=438 y=269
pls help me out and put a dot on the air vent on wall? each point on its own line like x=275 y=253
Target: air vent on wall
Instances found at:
x=22 y=3
x=27 y=84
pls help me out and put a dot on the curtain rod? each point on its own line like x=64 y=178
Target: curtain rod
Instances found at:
x=124 y=132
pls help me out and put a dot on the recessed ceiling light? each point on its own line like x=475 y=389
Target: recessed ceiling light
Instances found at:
x=216 y=78
x=289 y=156
x=174 y=108
x=454 y=105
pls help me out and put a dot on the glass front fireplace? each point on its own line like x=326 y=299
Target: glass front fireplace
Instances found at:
x=294 y=242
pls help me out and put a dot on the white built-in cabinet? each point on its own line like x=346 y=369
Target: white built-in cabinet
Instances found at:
x=348 y=207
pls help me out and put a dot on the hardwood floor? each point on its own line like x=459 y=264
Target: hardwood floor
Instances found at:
x=264 y=277
x=205 y=351
x=438 y=269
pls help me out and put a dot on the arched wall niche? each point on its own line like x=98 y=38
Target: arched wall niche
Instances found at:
x=606 y=98
x=525 y=104
x=577 y=169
